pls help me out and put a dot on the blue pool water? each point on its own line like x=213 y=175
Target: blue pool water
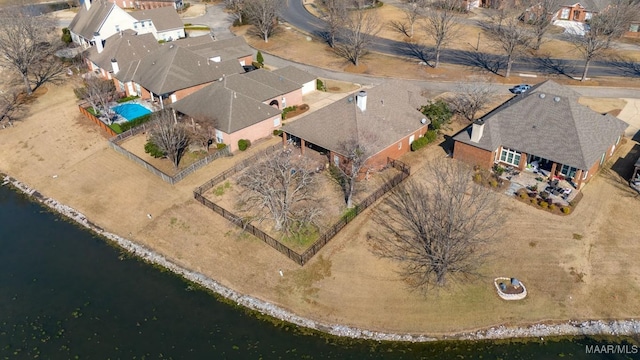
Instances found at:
x=131 y=111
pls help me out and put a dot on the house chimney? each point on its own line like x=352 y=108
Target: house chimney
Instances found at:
x=361 y=100
x=114 y=66
x=476 y=130
x=98 y=41
x=87 y=4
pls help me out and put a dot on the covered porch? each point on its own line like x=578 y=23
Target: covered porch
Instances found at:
x=540 y=166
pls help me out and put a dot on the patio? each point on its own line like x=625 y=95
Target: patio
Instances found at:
x=537 y=181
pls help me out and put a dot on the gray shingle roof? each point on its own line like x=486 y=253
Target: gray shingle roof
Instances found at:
x=548 y=121
x=86 y=22
x=295 y=74
x=125 y=47
x=171 y=68
x=390 y=115
x=250 y=87
x=164 y=18
x=227 y=49
x=232 y=111
x=273 y=80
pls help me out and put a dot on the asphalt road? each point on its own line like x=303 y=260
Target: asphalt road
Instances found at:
x=297 y=16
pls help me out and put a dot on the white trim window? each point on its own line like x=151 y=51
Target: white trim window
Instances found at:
x=219 y=137
x=568 y=171
x=510 y=156
x=585 y=174
x=602 y=158
x=564 y=14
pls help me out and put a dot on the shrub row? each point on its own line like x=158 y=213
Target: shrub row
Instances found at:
x=127 y=98
x=428 y=138
x=288 y=109
x=135 y=122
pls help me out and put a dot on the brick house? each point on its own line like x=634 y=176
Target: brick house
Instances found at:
x=546 y=128
x=385 y=119
x=233 y=107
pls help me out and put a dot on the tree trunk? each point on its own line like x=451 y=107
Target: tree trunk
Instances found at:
x=352 y=185
x=437 y=63
x=538 y=42
x=586 y=70
x=509 y=63
x=266 y=38
x=25 y=78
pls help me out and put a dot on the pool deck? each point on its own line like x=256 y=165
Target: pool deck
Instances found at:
x=119 y=119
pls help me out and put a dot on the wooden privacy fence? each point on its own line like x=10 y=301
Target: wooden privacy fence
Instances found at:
x=325 y=237
x=83 y=110
x=114 y=144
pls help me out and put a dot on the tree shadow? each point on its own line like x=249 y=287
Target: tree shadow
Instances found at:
x=447 y=145
x=486 y=62
x=548 y=65
x=627 y=66
x=418 y=51
x=619 y=173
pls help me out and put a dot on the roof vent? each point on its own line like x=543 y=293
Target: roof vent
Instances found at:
x=350 y=99
x=171 y=46
x=423 y=121
x=542 y=96
x=556 y=99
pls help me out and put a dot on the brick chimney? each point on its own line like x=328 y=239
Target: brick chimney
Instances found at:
x=361 y=100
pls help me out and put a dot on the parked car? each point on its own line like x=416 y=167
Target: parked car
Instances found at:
x=519 y=89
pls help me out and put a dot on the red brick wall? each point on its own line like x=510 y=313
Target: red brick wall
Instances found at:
x=292 y=98
x=247 y=60
x=472 y=155
x=252 y=133
x=181 y=94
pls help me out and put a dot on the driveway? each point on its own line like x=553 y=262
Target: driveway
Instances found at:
x=631 y=115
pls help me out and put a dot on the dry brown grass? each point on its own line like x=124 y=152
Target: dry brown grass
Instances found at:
x=568 y=277
x=603 y=105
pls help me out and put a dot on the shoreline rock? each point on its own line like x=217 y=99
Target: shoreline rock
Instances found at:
x=569 y=328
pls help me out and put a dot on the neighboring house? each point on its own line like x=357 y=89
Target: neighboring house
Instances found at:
x=173 y=72
x=120 y=56
x=219 y=50
x=291 y=91
x=545 y=127
x=574 y=16
x=148 y=4
x=383 y=119
x=164 y=23
x=308 y=81
x=96 y=22
x=100 y=20
x=236 y=115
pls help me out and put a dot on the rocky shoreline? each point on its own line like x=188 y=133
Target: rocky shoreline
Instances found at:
x=570 y=328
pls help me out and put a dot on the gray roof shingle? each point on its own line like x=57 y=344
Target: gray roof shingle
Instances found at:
x=390 y=115
x=87 y=22
x=126 y=47
x=231 y=110
x=164 y=18
x=171 y=68
x=548 y=121
x=227 y=49
x=273 y=80
x=295 y=74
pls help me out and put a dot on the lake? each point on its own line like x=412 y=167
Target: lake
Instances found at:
x=66 y=294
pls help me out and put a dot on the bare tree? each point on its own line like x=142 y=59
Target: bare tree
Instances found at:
x=354 y=154
x=98 y=93
x=203 y=130
x=283 y=188
x=471 y=97
x=441 y=25
x=438 y=229
x=413 y=10
x=11 y=107
x=28 y=45
x=603 y=29
x=170 y=136
x=336 y=11
x=512 y=37
x=539 y=14
x=235 y=7
x=357 y=34
x=263 y=14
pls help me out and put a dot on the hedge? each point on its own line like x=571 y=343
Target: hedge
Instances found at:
x=152 y=149
x=243 y=144
x=429 y=137
x=135 y=122
x=127 y=98
x=221 y=146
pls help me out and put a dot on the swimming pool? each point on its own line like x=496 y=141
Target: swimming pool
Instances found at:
x=131 y=111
